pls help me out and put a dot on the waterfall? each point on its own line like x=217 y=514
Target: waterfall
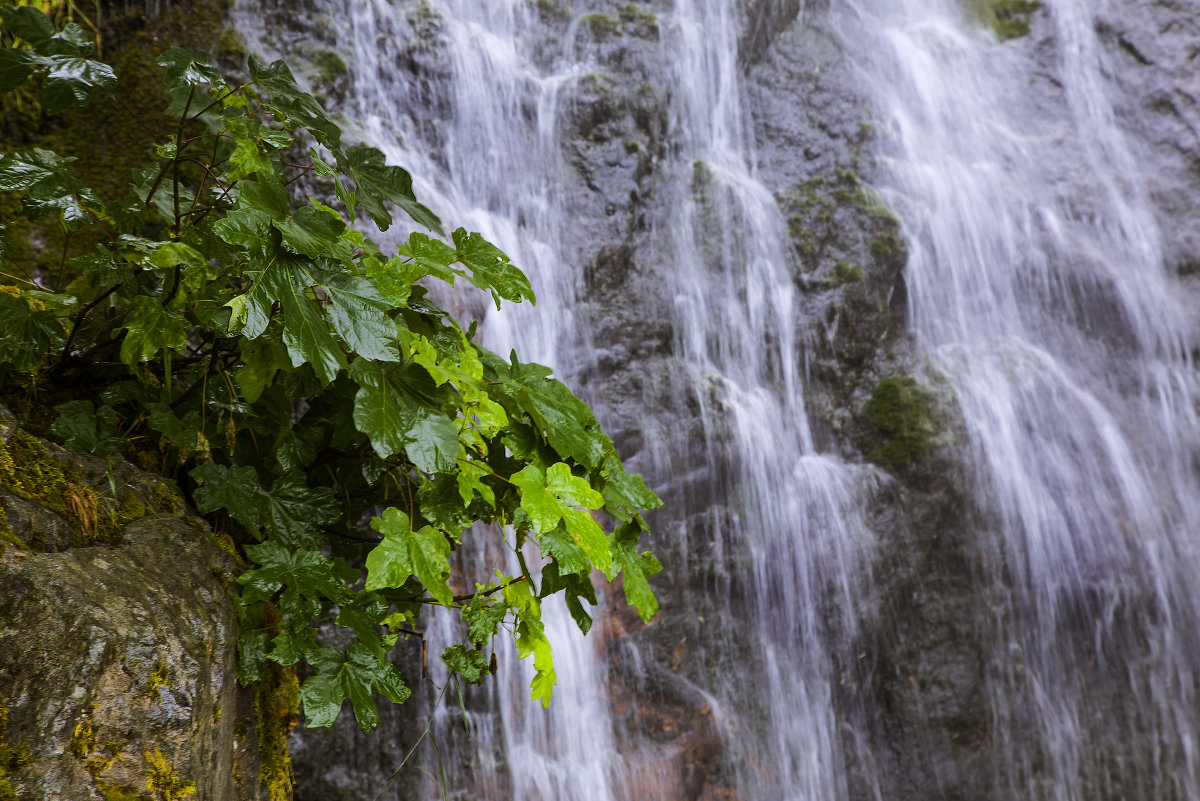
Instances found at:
x=1037 y=295
x=1038 y=289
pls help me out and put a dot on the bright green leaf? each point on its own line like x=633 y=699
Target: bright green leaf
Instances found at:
x=423 y=553
x=491 y=269
x=482 y=619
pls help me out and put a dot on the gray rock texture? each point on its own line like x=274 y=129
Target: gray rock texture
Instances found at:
x=117 y=659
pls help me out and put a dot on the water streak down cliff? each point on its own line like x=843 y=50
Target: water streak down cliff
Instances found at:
x=1004 y=612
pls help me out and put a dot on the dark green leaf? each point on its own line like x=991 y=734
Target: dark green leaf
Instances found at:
x=252 y=656
x=298 y=641
x=151 y=328
x=359 y=314
x=356 y=675
x=362 y=616
x=379 y=183
x=262 y=358
x=177 y=432
x=26 y=336
x=398 y=408
x=15 y=67
x=248 y=228
x=296 y=448
x=72 y=40
x=83 y=428
x=234 y=489
x=300 y=574
x=8 y=248
x=306 y=333
x=71 y=81
x=294 y=106
x=473 y=665
x=314 y=233
x=563 y=420
x=297 y=511
x=28 y=23
x=33 y=170
x=573 y=586
x=185 y=70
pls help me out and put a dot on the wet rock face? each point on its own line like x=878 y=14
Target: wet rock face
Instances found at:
x=1152 y=50
x=117 y=663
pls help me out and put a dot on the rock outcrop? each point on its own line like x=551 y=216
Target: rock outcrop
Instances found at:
x=118 y=638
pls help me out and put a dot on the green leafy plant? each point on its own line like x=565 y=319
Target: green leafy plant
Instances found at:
x=300 y=383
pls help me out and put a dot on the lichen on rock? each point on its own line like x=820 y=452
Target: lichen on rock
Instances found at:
x=117 y=652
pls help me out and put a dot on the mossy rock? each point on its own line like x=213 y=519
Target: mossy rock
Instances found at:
x=51 y=499
x=117 y=657
x=904 y=421
x=1008 y=18
x=600 y=25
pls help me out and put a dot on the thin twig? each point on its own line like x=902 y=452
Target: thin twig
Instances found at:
x=78 y=318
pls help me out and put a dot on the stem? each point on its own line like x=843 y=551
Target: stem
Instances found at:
x=167 y=389
x=525 y=567
x=175 y=287
x=62 y=261
x=78 y=318
x=213 y=366
x=90 y=213
x=175 y=160
x=200 y=113
x=485 y=469
x=33 y=284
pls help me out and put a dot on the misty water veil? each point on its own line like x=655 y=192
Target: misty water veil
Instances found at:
x=1011 y=610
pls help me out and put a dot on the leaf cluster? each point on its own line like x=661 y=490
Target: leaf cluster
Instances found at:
x=301 y=384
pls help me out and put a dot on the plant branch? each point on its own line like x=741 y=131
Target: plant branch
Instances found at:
x=78 y=318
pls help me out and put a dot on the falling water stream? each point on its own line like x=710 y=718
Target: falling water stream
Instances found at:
x=1037 y=291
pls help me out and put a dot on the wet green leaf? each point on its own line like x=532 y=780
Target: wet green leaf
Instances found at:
x=234 y=489
x=306 y=334
x=296 y=511
x=491 y=269
x=150 y=329
x=356 y=675
x=398 y=408
x=295 y=107
x=83 y=428
x=472 y=665
x=379 y=183
x=405 y=552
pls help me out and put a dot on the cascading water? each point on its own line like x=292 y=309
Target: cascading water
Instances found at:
x=1038 y=290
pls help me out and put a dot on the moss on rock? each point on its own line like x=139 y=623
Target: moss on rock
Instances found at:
x=904 y=421
x=30 y=471
x=1008 y=18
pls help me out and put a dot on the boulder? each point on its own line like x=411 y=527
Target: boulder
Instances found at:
x=118 y=638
